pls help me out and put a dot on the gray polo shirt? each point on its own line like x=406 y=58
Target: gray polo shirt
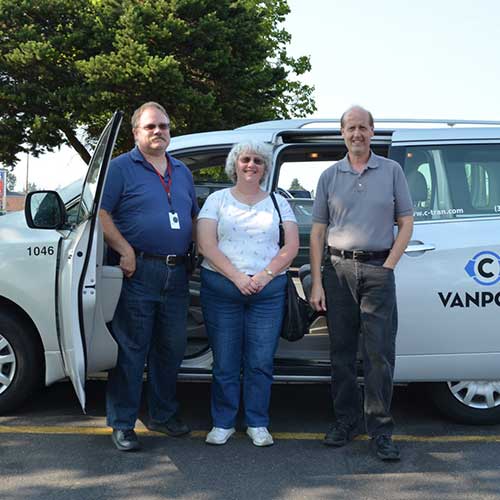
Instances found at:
x=360 y=208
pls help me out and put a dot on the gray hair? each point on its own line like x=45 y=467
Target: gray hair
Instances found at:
x=360 y=108
x=138 y=112
x=258 y=148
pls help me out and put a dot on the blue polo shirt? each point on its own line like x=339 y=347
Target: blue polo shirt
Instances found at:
x=136 y=199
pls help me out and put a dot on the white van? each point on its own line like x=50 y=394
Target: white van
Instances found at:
x=57 y=294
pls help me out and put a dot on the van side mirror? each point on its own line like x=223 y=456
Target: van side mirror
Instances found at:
x=44 y=210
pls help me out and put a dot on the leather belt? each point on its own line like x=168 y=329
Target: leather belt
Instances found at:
x=359 y=254
x=169 y=260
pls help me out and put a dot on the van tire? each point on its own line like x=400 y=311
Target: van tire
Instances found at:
x=477 y=411
x=22 y=369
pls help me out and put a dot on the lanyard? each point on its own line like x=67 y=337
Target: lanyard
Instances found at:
x=166 y=185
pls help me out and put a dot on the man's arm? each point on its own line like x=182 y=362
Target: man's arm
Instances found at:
x=118 y=243
x=405 y=229
x=318 y=234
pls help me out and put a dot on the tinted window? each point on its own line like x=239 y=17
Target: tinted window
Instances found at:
x=454 y=181
x=302 y=208
x=208 y=172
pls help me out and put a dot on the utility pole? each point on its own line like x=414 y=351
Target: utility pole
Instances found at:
x=27 y=171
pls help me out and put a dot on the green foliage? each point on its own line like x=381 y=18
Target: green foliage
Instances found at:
x=32 y=187
x=11 y=181
x=66 y=65
x=295 y=185
x=216 y=175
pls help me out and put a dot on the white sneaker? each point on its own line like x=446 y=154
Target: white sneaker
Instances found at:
x=218 y=435
x=260 y=436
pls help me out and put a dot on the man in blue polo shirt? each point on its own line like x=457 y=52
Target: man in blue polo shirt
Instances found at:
x=147 y=213
x=357 y=201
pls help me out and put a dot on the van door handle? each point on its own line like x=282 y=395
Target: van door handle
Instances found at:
x=418 y=246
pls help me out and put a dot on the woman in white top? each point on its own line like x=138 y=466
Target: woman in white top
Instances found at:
x=243 y=290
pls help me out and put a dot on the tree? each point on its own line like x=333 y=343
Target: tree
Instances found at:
x=32 y=187
x=65 y=65
x=11 y=181
x=296 y=185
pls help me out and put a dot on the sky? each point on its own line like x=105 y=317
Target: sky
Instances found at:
x=397 y=58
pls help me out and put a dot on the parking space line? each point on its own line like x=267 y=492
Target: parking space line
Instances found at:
x=397 y=437
x=290 y=436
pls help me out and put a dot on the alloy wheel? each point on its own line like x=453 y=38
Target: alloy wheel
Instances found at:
x=7 y=364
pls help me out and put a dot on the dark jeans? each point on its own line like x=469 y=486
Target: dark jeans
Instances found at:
x=243 y=331
x=149 y=325
x=361 y=300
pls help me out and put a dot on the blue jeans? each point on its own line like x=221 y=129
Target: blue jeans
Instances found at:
x=243 y=331
x=361 y=300
x=149 y=325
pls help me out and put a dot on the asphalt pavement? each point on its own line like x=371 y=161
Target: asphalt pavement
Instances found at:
x=51 y=450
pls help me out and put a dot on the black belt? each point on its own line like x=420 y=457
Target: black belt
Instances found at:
x=359 y=254
x=169 y=260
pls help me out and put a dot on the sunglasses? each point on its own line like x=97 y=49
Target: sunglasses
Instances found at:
x=247 y=159
x=152 y=126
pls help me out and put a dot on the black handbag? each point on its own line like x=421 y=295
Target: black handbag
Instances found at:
x=191 y=258
x=296 y=319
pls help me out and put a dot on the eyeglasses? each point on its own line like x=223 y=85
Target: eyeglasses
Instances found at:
x=152 y=126
x=247 y=159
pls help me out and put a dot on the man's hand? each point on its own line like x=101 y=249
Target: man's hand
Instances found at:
x=127 y=264
x=405 y=229
x=317 y=298
x=318 y=236
x=118 y=243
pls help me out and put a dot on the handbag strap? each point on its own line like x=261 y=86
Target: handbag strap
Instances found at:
x=281 y=230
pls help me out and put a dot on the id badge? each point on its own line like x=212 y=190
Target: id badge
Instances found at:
x=174 y=220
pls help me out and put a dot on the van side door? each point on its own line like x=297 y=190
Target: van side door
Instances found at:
x=448 y=281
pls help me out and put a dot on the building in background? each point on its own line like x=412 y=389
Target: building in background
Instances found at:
x=3 y=191
x=14 y=201
x=10 y=201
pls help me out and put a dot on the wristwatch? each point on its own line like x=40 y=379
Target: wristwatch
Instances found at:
x=269 y=272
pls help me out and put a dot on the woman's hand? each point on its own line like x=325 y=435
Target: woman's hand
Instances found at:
x=246 y=285
x=261 y=279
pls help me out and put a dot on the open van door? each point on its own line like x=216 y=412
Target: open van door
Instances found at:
x=76 y=268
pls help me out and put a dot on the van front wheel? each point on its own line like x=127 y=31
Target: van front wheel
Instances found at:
x=20 y=362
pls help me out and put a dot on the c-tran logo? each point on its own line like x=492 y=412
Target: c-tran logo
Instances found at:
x=484 y=268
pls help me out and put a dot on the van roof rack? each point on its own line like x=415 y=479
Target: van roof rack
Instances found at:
x=379 y=123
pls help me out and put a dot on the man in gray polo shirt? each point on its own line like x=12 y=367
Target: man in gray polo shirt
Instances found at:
x=357 y=201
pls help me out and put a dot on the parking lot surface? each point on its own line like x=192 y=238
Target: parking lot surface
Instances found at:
x=50 y=450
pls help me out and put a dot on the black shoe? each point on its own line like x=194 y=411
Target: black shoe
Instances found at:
x=125 y=440
x=340 y=433
x=385 y=448
x=174 y=427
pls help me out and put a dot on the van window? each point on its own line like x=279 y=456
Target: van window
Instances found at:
x=208 y=171
x=453 y=181
x=300 y=167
